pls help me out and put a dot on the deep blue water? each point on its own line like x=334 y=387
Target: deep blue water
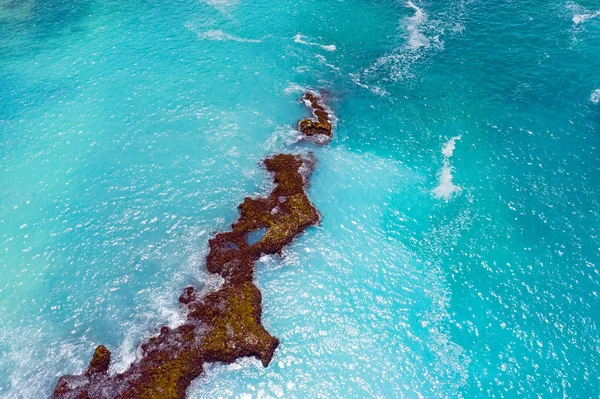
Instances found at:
x=459 y=252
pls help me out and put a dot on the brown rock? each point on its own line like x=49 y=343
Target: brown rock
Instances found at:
x=319 y=128
x=100 y=361
x=224 y=325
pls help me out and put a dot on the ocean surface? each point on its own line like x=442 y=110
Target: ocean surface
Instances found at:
x=459 y=251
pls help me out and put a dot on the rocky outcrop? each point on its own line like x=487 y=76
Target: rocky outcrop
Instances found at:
x=319 y=128
x=225 y=324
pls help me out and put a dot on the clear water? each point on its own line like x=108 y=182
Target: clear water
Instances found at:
x=459 y=250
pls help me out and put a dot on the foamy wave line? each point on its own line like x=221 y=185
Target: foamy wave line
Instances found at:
x=219 y=35
x=294 y=88
x=446 y=188
x=421 y=36
x=323 y=61
x=373 y=89
x=416 y=38
x=329 y=47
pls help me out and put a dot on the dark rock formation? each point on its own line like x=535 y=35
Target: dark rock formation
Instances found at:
x=319 y=128
x=284 y=214
x=224 y=325
x=100 y=362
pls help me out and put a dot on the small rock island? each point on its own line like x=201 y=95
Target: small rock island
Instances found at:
x=318 y=128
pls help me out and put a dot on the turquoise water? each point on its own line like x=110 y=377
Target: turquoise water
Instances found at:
x=459 y=251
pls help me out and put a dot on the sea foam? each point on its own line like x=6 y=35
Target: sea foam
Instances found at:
x=416 y=37
x=219 y=35
x=580 y=14
x=581 y=18
x=299 y=39
x=421 y=36
x=446 y=188
x=595 y=96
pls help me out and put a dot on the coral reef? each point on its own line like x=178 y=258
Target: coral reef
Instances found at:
x=319 y=128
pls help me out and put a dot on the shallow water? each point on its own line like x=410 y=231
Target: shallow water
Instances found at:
x=443 y=267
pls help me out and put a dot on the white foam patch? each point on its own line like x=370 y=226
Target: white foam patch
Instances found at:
x=595 y=96
x=581 y=18
x=448 y=148
x=580 y=14
x=446 y=188
x=299 y=39
x=212 y=283
x=219 y=35
x=294 y=88
x=416 y=38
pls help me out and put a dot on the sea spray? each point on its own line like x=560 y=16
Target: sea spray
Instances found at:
x=446 y=188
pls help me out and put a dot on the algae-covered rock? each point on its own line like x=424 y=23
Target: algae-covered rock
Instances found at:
x=100 y=361
x=319 y=128
x=223 y=325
